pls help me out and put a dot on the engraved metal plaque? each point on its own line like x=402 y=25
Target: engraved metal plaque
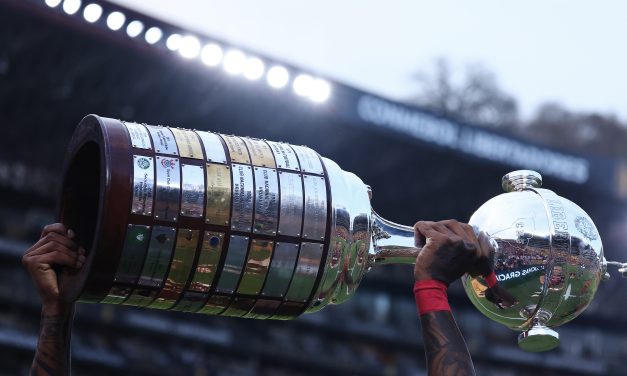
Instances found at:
x=143 y=185
x=237 y=149
x=256 y=267
x=281 y=270
x=291 y=218
x=158 y=256
x=315 y=219
x=309 y=160
x=193 y=195
x=132 y=259
x=188 y=144
x=180 y=267
x=242 y=213
x=306 y=272
x=266 y=201
x=208 y=261
x=168 y=189
x=284 y=156
x=260 y=153
x=214 y=150
x=139 y=136
x=233 y=264
x=218 y=194
x=163 y=140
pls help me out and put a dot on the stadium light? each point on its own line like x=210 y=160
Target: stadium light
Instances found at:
x=278 y=77
x=189 y=47
x=116 y=20
x=320 y=91
x=71 y=6
x=153 y=35
x=211 y=55
x=134 y=28
x=254 y=68
x=92 y=13
x=53 y=3
x=303 y=85
x=234 y=61
x=173 y=42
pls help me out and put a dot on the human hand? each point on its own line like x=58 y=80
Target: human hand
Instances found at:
x=56 y=247
x=451 y=249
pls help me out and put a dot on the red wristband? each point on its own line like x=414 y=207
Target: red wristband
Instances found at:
x=431 y=296
x=490 y=279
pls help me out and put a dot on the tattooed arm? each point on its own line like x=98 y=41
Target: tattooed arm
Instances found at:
x=444 y=345
x=55 y=248
x=451 y=250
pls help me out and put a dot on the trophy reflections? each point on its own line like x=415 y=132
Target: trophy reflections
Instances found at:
x=194 y=221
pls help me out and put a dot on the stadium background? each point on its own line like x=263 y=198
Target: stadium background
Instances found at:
x=55 y=68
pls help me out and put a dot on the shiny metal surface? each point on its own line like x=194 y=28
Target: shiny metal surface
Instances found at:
x=260 y=153
x=315 y=217
x=180 y=267
x=208 y=261
x=212 y=145
x=351 y=205
x=158 y=256
x=135 y=247
x=286 y=231
x=548 y=255
x=163 y=140
x=143 y=185
x=538 y=339
x=233 y=264
x=216 y=305
x=187 y=142
x=306 y=272
x=281 y=270
x=263 y=309
x=309 y=160
x=243 y=192
x=168 y=189
x=218 y=203
x=291 y=211
x=193 y=191
x=237 y=149
x=520 y=180
x=140 y=138
x=284 y=155
x=256 y=267
x=266 y=201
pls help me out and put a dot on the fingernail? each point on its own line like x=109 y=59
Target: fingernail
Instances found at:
x=70 y=233
x=81 y=258
x=81 y=251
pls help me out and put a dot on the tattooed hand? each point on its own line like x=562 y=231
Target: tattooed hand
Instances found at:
x=451 y=249
x=55 y=248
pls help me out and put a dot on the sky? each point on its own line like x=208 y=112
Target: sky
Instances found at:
x=571 y=52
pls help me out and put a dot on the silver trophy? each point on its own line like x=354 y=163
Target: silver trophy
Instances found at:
x=194 y=221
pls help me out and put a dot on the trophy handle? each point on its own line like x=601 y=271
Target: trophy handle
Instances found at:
x=393 y=243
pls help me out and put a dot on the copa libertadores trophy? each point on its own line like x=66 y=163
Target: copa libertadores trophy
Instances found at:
x=194 y=221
